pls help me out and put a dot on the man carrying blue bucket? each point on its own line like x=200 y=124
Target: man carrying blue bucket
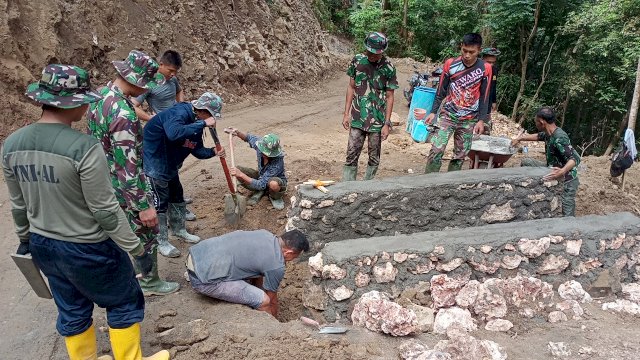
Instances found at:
x=464 y=88
x=369 y=103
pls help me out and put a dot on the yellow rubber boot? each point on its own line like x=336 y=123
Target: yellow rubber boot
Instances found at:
x=83 y=346
x=125 y=344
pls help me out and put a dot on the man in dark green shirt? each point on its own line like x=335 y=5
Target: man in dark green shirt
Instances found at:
x=561 y=156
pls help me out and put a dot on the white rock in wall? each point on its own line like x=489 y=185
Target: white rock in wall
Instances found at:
x=341 y=293
x=533 y=248
x=553 y=265
x=631 y=292
x=385 y=274
x=446 y=318
x=573 y=247
x=333 y=271
x=572 y=290
x=468 y=294
x=316 y=265
x=362 y=279
x=307 y=204
x=444 y=290
x=376 y=312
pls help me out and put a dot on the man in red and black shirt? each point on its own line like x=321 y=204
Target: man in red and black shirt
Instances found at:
x=463 y=93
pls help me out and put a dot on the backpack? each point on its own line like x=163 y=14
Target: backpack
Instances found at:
x=621 y=160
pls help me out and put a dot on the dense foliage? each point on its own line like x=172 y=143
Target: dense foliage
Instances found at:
x=579 y=56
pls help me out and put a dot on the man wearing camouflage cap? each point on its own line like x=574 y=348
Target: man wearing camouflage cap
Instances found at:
x=270 y=175
x=369 y=104
x=67 y=216
x=169 y=138
x=114 y=122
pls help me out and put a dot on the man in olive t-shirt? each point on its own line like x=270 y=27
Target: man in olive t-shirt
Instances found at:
x=561 y=156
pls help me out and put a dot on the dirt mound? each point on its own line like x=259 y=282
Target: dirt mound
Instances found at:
x=234 y=47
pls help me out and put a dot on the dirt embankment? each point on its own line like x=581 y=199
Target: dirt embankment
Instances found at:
x=234 y=47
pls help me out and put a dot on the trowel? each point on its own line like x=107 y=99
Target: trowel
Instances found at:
x=323 y=329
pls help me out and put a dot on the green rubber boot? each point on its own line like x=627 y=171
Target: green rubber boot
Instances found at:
x=151 y=284
x=370 y=172
x=432 y=167
x=455 y=165
x=349 y=173
x=164 y=246
x=176 y=223
x=276 y=201
x=255 y=197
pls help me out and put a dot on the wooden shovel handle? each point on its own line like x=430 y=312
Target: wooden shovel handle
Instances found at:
x=223 y=161
x=233 y=162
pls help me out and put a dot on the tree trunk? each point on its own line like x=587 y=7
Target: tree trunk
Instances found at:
x=405 y=9
x=545 y=72
x=386 y=5
x=524 y=57
x=565 y=105
x=633 y=112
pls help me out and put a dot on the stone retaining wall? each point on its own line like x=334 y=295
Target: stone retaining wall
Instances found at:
x=413 y=204
x=590 y=249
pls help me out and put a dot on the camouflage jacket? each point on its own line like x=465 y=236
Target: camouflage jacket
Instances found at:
x=114 y=123
x=369 y=106
x=559 y=151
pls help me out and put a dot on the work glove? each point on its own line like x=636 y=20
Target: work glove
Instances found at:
x=144 y=263
x=23 y=248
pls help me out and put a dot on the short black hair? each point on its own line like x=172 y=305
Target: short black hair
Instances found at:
x=547 y=114
x=171 y=57
x=295 y=240
x=472 y=39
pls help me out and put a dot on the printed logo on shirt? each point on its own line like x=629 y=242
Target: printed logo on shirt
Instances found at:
x=189 y=144
x=35 y=173
x=469 y=78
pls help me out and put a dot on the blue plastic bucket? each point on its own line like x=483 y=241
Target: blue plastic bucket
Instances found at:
x=423 y=97
x=419 y=132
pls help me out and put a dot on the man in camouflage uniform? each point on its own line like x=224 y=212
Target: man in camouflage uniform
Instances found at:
x=67 y=216
x=369 y=104
x=561 y=156
x=113 y=121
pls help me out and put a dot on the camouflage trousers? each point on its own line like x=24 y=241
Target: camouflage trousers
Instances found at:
x=462 y=131
x=356 y=143
x=569 y=189
x=146 y=235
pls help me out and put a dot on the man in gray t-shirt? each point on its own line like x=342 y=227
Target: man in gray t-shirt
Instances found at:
x=244 y=267
x=165 y=96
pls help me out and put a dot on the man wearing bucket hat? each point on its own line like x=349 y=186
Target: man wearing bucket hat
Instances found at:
x=67 y=216
x=270 y=175
x=490 y=56
x=369 y=104
x=114 y=122
x=169 y=138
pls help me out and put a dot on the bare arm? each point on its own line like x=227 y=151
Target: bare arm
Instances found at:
x=142 y=115
x=386 y=128
x=524 y=137
x=180 y=96
x=273 y=302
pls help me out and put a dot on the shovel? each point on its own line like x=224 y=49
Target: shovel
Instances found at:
x=234 y=205
x=323 y=329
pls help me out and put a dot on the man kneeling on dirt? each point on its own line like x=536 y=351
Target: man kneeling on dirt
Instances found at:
x=270 y=174
x=561 y=156
x=221 y=267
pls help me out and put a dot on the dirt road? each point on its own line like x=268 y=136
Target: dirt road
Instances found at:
x=314 y=142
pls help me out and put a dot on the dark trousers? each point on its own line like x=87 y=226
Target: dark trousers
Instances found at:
x=356 y=143
x=166 y=192
x=83 y=274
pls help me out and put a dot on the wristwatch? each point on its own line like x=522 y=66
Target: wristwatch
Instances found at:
x=388 y=123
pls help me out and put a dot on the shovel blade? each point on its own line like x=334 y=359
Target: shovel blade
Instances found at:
x=332 y=330
x=231 y=215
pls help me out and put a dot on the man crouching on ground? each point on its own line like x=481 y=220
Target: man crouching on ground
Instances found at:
x=222 y=267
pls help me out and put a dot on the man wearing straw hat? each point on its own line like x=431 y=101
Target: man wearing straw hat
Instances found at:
x=169 y=138
x=67 y=216
x=113 y=121
x=369 y=104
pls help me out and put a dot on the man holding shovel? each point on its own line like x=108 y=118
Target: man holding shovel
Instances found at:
x=169 y=138
x=270 y=174
x=114 y=123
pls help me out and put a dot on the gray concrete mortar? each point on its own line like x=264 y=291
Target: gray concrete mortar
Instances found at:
x=411 y=204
